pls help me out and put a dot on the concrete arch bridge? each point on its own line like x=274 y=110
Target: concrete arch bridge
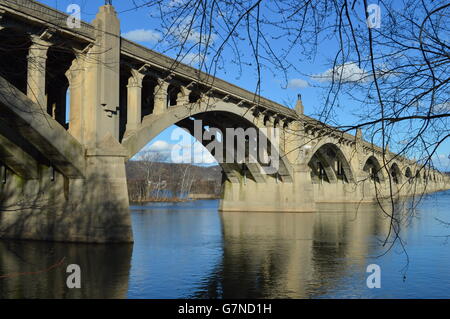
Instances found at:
x=65 y=180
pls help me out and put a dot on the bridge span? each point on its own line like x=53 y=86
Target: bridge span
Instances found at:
x=66 y=181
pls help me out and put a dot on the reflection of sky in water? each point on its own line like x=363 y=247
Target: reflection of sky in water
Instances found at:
x=179 y=253
x=176 y=248
x=427 y=275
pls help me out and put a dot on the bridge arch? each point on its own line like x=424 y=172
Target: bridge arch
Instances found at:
x=329 y=163
x=373 y=168
x=396 y=173
x=408 y=174
x=217 y=114
x=418 y=176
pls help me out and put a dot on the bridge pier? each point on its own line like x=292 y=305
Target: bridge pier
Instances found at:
x=53 y=207
x=37 y=57
x=270 y=196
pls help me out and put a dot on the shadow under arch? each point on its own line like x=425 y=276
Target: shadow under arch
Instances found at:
x=408 y=174
x=329 y=163
x=217 y=114
x=373 y=168
x=396 y=173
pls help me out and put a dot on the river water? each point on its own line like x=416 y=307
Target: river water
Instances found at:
x=190 y=250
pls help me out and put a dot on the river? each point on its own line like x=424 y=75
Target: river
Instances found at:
x=190 y=250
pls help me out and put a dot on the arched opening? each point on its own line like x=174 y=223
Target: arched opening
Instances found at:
x=147 y=97
x=58 y=62
x=328 y=164
x=373 y=168
x=13 y=57
x=237 y=166
x=395 y=173
x=172 y=95
x=194 y=96
x=418 y=177
x=173 y=166
x=125 y=74
x=408 y=175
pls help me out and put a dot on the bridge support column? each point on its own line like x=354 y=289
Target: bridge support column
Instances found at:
x=93 y=209
x=102 y=80
x=134 y=102
x=75 y=76
x=160 y=105
x=37 y=58
x=101 y=199
x=270 y=196
x=183 y=96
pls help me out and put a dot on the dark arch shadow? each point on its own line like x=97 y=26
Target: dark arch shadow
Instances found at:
x=396 y=173
x=373 y=168
x=329 y=164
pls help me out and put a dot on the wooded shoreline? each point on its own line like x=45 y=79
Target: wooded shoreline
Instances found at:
x=152 y=179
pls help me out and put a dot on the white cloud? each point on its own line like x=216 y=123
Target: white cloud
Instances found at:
x=142 y=35
x=186 y=150
x=442 y=162
x=297 y=84
x=159 y=146
x=185 y=31
x=176 y=3
x=193 y=58
x=442 y=107
x=347 y=72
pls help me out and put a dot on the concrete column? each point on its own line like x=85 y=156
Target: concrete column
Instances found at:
x=102 y=80
x=134 y=100
x=280 y=127
x=270 y=125
x=259 y=120
x=160 y=99
x=183 y=96
x=293 y=145
x=37 y=58
x=75 y=76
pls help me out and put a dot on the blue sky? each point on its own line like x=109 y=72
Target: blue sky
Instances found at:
x=141 y=26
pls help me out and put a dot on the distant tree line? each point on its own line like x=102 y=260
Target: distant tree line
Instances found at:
x=152 y=178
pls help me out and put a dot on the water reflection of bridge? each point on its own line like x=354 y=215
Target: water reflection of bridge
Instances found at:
x=27 y=273
x=262 y=255
x=269 y=255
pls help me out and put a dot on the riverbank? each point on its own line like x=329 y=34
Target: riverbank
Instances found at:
x=190 y=197
x=159 y=200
